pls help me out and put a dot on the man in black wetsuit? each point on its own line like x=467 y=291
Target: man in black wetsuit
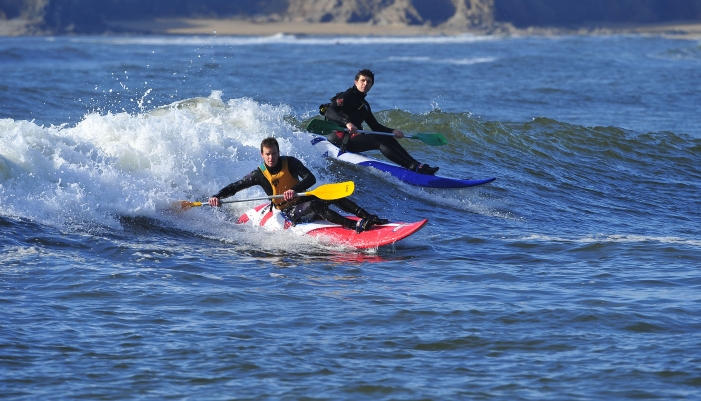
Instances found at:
x=349 y=109
x=286 y=175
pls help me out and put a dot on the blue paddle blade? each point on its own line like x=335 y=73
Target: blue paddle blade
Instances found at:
x=322 y=127
x=431 y=139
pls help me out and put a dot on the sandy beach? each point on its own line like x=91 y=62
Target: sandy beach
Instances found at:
x=237 y=27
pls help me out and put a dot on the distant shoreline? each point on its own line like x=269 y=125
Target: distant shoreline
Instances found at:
x=240 y=27
x=237 y=27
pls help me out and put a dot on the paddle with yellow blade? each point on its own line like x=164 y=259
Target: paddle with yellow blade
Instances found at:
x=323 y=127
x=326 y=192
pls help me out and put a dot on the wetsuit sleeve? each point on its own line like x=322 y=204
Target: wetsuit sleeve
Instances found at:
x=349 y=107
x=373 y=123
x=253 y=178
x=299 y=170
x=338 y=109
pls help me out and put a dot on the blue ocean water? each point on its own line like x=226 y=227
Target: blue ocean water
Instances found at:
x=575 y=275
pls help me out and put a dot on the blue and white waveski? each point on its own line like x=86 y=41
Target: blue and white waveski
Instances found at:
x=328 y=149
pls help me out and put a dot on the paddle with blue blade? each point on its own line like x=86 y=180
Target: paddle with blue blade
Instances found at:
x=323 y=127
x=326 y=192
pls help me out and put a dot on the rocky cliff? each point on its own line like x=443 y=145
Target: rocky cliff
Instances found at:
x=559 y=13
x=387 y=12
x=90 y=16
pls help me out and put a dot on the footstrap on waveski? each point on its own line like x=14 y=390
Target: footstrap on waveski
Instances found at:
x=288 y=214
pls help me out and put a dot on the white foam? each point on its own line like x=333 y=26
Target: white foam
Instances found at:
x=453 y=61
x=615 y=238
x=112 y=165
x=286 y=39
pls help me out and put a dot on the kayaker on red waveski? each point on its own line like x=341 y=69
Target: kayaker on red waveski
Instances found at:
x=350 y=109
x=287 y=175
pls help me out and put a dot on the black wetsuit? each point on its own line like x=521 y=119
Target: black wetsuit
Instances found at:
x=351 y=106
x=301 y=209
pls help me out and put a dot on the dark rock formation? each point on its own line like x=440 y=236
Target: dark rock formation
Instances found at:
x=470 y=13
x=90 y=16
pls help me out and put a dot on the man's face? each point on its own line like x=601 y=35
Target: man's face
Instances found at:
x=270 y=156
x=363 y=84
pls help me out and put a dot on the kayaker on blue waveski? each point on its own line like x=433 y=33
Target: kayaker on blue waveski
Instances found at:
x=350 y=109
x=287 y=175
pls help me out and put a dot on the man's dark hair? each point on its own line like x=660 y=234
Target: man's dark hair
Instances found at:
x=269 y=142
x=367 y=73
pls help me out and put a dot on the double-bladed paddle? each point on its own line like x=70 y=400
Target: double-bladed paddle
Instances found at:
x=325 y=192
x=323 y=127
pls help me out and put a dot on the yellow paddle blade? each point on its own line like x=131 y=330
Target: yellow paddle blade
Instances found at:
x=333 y=191
x=181 y=206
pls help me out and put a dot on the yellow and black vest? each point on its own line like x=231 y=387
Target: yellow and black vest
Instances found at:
x=280 y=182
